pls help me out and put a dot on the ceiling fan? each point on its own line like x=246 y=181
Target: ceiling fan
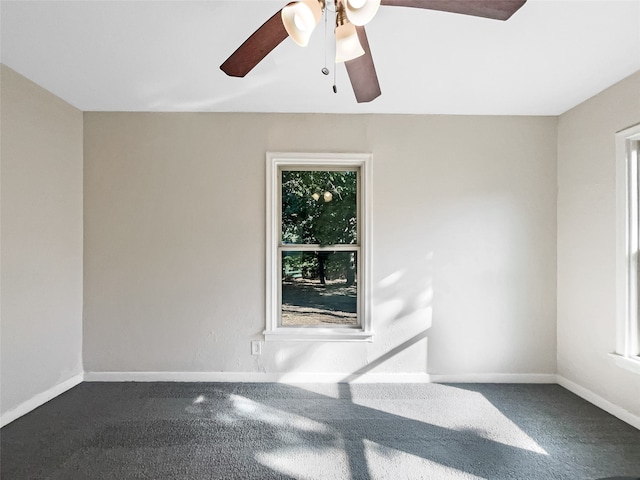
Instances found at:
x=298 y=19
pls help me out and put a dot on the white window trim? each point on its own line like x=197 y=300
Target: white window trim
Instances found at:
x=627 y=238
x=275 y=161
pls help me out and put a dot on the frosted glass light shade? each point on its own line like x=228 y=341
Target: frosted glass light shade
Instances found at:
x=300 y=18
x=361 y=12
x=347 y=44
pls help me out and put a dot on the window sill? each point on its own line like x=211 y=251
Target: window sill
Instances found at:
x=628 y=363
x=317 y=335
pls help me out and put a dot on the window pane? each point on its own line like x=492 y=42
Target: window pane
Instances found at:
x=319 y=207
x=319 y=288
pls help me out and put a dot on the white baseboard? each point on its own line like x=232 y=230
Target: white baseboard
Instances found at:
x=598 y=401
x=314 y=377
x=495 y=378
x=257 y=377
x=40 y=399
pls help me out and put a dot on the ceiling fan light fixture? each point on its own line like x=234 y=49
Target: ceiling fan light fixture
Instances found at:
x=300 y=18
x=361 y=12
x=347 y=43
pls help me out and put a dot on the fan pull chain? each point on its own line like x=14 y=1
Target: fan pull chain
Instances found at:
x=325 y=70
x=335 y=67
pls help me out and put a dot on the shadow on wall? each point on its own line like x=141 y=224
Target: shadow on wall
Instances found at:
x=385 y=357
x=402 y=317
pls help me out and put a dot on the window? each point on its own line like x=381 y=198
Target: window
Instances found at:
x=318 y=268
x=627 y=353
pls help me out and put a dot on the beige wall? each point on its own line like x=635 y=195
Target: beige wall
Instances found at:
x=41 y=245
x=587 y=243
x=464 y=219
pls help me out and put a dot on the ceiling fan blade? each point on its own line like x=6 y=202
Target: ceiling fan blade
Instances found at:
x=362 y=72
x=496 y=9
x=256 y=47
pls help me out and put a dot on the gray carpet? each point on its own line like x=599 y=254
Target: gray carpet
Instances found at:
x=269 y=431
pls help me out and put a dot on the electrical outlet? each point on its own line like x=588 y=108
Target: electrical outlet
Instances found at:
x=256 y=347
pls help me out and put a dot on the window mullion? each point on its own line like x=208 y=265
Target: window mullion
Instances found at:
x=319 y=248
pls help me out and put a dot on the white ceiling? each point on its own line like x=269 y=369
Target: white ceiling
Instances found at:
x=150 y=55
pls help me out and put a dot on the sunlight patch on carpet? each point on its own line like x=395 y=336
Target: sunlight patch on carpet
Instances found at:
x=387 y=462
x=307 y=462
x=251 y=410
